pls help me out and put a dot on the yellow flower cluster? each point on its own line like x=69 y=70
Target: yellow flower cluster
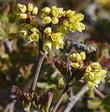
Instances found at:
x=53 y=40
x=51 y=15
x=77 y=58
x=30 y=33
x=69 y=20
x=23 y=10
x=72 y=22
x=94 y=75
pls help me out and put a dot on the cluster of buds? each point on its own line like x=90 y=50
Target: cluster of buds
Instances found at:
x=51 y=15
x=65 y=19
x=72 y=22
x=69 y=20
x=77 y=59
x=25 y=11
x=30 y=33
x=94 y=75
x=53 y=40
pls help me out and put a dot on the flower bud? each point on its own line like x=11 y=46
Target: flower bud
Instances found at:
x=88 y=69
x=91 y=75
x=96 y=65
x=48 y=30
x=55 y=11
x=75 y=65
x=79 y=17
x=103 y=72
x=19 y=5
x=22 y=8
x=46 y=10
x=90 y=85
x=73 y=57
x=66 y=23
x=34 y=30
x=23 y=16
x=46 y=20
x=55 y=36
x=80 y=26
x=30 y=7
x=58 y=44
x=78 y=57
x=70 y=13
x=34 y=37
x=83 y=55
x=35 y=11
x=55 y=20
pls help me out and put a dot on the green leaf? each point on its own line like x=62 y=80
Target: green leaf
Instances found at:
x=45 y=85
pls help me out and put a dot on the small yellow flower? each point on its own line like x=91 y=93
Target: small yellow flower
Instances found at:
x=33 y=37
x=56 y=11
x=77 y=57
x=75 y=65
x=80 y=26
x=70 y=13
x=46 y=20
x=96 y=65
x=48 y=30
x=22 y=8
x=66 y=23
x=56 y=36
x=34 y=30
x=46 y=10
x=73 y=57
x=58 y=44
x=83 y=55
x=23 y=16
x=55 y=20
x=78 y=17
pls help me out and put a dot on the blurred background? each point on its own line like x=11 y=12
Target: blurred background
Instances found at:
x=17 y=58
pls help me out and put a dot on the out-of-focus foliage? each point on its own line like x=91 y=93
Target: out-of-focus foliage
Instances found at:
x=17 y=57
